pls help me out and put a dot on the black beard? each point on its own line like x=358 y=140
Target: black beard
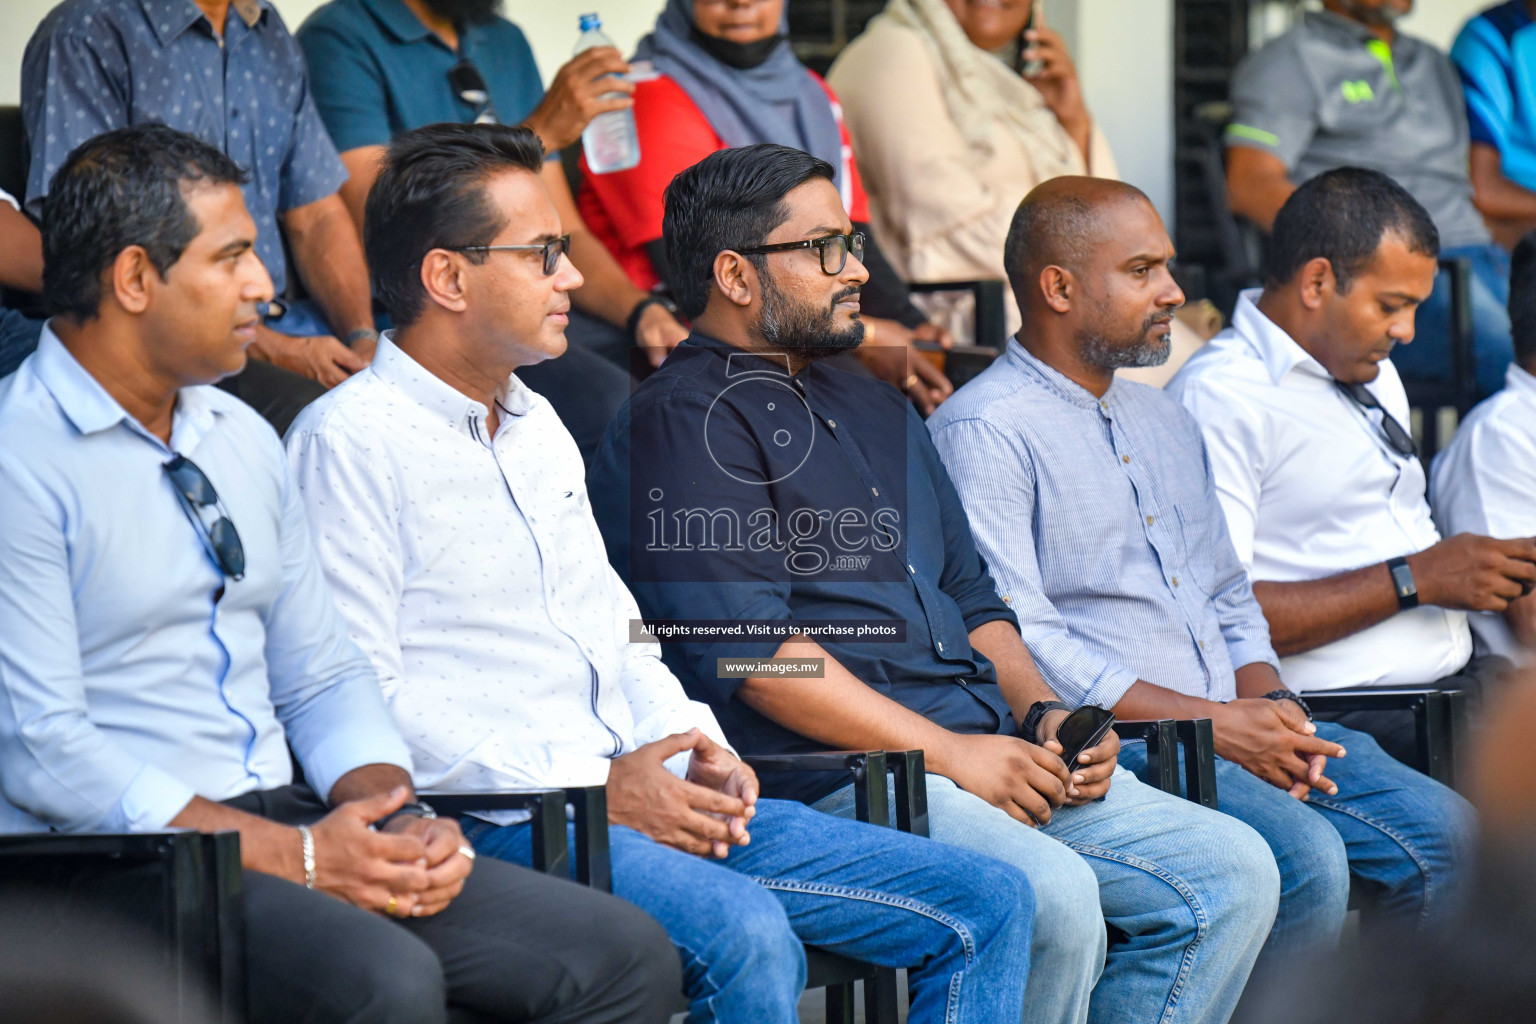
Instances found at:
x=802 y=329
x=1104 y=353
x=466 y=12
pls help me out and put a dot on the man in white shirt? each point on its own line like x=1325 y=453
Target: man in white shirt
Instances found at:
x=1485 y=479
x=1304 y=419
x=453 y=523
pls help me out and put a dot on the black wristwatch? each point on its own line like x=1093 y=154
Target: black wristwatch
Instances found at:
x=1030 y=727
x=412 y=810
x=653 y=299
x=1402 y=582
x=1290 y=695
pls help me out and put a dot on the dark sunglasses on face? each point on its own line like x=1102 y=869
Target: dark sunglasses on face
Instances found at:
x=552 y=250
x=468 y=84
x=1393 y=432
x=834 y=250
x=195 y=491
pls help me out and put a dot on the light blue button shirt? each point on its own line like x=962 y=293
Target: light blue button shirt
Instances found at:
x=133 y=674
x=1099 y=520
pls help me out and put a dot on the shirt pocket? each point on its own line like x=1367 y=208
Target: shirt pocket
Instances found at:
x=1194 y=530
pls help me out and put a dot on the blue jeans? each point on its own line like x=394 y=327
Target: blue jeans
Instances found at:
x=961 y=924
x=18 y=337
x=1403 y=836
x=1191 y=896
x=1428 y=356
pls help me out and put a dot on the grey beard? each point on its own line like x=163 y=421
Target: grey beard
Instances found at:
x=1104 y=354
x=803 y=330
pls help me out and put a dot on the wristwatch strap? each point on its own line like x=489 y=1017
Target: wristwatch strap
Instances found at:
x=1290 y=695
x=1030 y=727
x=411 y=810
x=653 y=299
x=1402 y=582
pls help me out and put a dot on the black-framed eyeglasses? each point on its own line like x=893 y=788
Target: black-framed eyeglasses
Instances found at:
x=469 y=85
x=834 y=250
x=552 y=250
x=1393 y=432
x=195 y=492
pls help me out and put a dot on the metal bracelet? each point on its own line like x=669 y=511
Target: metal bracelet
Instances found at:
x=307 y=838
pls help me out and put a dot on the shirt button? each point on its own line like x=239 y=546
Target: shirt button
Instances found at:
x=911 y=570
x=1175 y=581
x=1125 y=458
x=1103 y=405
x=1202 y=645
x=941 y=648
x=1149 y=520
x=875 y=491
x=832 y=424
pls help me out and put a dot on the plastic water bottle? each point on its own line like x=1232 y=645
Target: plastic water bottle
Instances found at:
x=610 y=140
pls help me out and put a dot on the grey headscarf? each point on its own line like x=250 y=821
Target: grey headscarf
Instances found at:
x=777 y=101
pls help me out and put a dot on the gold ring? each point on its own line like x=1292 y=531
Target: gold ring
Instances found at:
x=389 y=908
x=911 y=382
x=468 y=851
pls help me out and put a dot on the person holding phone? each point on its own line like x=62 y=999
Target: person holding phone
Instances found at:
x=1094 y=503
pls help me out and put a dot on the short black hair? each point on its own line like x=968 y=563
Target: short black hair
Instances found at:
x=430 y=194
x=732 y=199
x=1522 y=301
x=1341 y=215
x=121 y=188
x=1052 y=227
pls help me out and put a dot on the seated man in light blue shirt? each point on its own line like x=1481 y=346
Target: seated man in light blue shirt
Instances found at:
x=1094 y=506
x=166 y=637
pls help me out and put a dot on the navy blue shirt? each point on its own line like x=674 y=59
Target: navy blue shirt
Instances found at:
x=378 y=71
x=95 y=65
x=728 y=490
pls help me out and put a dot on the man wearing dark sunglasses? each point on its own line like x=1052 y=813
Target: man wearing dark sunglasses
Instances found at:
x=167 y=638
x=1306 y=423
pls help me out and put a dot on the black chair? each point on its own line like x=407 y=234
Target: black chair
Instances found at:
x=1440 y=720
x=1164 y=738
x=1241 y=245
x=197 y=913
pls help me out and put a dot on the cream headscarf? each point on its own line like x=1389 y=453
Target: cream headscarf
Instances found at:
x=985 y=95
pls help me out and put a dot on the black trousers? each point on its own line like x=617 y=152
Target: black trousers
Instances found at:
x=1397 y=732
x=516 y=945
x=588 y=383
x=272 y=391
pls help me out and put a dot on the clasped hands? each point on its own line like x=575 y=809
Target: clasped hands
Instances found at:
x=1274 y=740
x=705 y=814
x=1028 y=780
x=414 y=867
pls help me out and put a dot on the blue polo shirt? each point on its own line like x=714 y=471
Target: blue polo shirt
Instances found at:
x=1496 y=55
x=378 y=71
x=730 y=491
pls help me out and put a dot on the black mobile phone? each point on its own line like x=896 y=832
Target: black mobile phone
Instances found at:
x=1031 y=68
x=1082 y=729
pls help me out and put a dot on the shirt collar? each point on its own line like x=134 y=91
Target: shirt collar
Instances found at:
x=92 y=410
x=1056 y=381
x=170 y=18
x=1520 y=380
x=436 y=396
x=1277 y=350
x=398 y=20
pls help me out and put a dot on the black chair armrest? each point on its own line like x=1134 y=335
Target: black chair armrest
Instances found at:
x=991 y=306
x=199 y=909
x=547 y=808
x=1463 y=367
x=1439 y=716
x=1163 y=738
x=868 y=768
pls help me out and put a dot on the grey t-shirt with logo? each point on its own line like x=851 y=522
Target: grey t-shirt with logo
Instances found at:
x=1329 y=93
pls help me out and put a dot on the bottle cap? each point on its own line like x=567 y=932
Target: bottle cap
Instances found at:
x=590 y=22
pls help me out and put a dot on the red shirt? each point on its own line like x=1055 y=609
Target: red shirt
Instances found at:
x=624 y=209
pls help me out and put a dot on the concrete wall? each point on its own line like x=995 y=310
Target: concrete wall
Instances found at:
x=1123 y=50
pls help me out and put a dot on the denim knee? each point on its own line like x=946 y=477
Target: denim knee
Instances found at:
x=1246 y=880
x=754 y=941
x=997 y=902
x=1068 y=915
x=1316 y=872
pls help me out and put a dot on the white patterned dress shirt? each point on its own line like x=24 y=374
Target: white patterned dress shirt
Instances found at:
x=1485 y=482
x=1311 y=489
x=470 y=571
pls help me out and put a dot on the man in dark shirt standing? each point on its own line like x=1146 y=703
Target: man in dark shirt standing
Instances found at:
x=806 y=512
